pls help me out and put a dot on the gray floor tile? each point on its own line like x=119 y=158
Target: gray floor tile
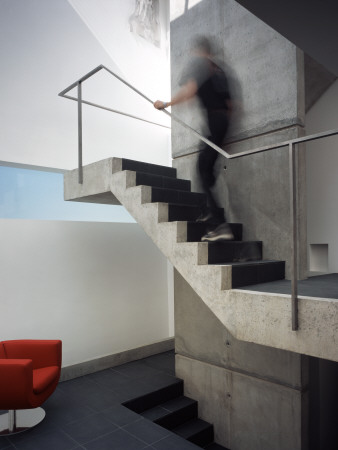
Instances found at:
x=5 y=444
x=66 y=411
x=158 y=381
x=136 y=369
x=120 y=415
x=118 y=440
x=174 y=443
x=146 y=431
x=162 y=362
x=43 y=441
x=109 y=378
x=132 y=390
x=83 y=412
x=89 y=429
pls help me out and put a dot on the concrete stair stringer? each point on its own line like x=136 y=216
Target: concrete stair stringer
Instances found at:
x=189 y=258
x=261 y=318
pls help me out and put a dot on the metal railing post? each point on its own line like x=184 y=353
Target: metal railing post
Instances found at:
x=12 y=420
x=294 y=238
x=79 y=125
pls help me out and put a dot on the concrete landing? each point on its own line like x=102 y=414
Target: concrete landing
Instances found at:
x=321 y=286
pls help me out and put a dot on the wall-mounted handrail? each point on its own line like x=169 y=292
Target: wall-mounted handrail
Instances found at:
x=290 y=144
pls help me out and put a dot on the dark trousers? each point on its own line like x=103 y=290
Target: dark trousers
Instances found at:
x=218 y=125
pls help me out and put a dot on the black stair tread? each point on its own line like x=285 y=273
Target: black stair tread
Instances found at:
x=177 y=197
x=234 y=251
x=195 y=230
x=139 y=166
x=250 y=263
x=183 y=213
x=149 y=179
x=179 y=402
x=168 y=407
x=189 y=429
x=171 y=390
x=261 y=272
x=215 y=446
x=226 y=243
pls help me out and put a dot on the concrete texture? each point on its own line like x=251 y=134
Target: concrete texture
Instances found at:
x=263 y=68
x=266 y=74
x=247 y=413
x=251 y=393
x=269 y=321
x=96 y=183
x=255 y=191
x=317 y=81
x=193 y=322
x=312 y=26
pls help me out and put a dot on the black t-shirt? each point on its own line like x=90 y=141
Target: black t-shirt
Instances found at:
x=212 y=84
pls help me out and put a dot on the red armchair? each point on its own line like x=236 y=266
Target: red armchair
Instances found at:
x=29 y=373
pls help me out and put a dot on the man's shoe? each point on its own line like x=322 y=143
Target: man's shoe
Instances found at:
x=205 y=217
x=222 y=233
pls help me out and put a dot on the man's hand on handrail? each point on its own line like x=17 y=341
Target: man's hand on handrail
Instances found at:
x=186 y=92
x=161 y=105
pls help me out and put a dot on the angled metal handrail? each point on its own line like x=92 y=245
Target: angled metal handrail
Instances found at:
x=290 y=144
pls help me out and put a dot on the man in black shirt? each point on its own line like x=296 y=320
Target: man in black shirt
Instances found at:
x=204 y=78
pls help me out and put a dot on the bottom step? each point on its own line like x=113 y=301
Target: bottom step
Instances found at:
x=215 y=447
x=169 y=408
x=196 y=431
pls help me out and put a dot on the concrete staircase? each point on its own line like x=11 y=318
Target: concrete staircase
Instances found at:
x=166 y=209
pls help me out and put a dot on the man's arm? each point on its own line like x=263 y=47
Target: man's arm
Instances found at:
x=185 y=93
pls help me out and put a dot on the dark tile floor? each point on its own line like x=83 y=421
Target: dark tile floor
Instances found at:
x=86 y=413
x=321 y=286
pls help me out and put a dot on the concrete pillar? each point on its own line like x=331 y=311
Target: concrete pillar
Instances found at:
x=266 y=76
x=256 y=397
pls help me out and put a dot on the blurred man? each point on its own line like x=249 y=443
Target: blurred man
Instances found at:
x=204 y=78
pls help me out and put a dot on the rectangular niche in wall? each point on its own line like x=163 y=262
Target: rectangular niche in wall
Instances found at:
x=319 y=257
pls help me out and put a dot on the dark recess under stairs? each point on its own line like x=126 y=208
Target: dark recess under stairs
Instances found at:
x=245 y=257
x=170 y=409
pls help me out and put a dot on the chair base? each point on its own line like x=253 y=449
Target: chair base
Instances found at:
x=20 y=420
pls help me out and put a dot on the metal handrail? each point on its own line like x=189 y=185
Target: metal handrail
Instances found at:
x=291 y=143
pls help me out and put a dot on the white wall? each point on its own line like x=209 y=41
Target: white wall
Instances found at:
x=44 y=47
x=101 y=288
x=146 y=66
x=322 y=177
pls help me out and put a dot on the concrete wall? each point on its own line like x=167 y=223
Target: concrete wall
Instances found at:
x=256 y=397
x=266 y=75
x=322 y=184
x=80 y=282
